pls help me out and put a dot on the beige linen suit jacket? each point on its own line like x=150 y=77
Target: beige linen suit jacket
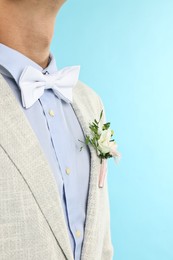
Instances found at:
x=32 y=224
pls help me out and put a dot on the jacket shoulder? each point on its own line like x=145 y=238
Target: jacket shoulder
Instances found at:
x=87 y=97
x=83 y=89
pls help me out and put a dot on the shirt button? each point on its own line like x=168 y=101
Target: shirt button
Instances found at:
x=77 y=233
x=46 y=72
x=67 y=170
x=51 y=112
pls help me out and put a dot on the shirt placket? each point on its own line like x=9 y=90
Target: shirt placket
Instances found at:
x=64 y=148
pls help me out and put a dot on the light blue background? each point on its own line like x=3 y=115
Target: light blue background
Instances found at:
x=125 y=49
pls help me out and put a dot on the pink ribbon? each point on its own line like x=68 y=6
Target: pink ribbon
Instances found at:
x=103 y=170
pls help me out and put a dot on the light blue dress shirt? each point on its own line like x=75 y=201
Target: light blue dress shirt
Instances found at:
x=58 y=131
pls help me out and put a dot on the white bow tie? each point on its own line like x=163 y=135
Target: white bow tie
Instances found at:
x=32 y=84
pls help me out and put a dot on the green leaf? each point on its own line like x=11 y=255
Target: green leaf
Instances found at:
x=87 y=140
x=106 y=126
x=95 y=121
x=94 y=129
x=101 y=114
x=95 y=125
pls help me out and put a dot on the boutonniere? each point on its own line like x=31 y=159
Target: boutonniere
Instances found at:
x=101 y=138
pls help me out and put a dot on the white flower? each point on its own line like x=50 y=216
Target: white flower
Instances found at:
x=104 y=144
x=114 y=152
x=101 y=139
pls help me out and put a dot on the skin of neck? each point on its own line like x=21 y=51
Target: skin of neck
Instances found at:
x=28 y=26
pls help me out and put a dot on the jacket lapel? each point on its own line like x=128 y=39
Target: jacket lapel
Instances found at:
x=16 y=133
x=85 y=113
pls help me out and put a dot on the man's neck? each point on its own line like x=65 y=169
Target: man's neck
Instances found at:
x=28 y=27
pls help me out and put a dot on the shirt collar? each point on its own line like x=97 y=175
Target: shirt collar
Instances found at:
x=12 y=63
